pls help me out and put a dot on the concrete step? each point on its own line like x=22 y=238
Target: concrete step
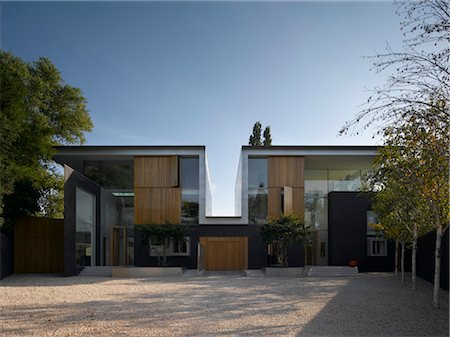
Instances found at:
x=332 y=271
x=223 y=273
x=97 y=271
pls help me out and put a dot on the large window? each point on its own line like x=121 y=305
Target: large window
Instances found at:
x=257 y=190
x=84 y=228
x=189 y=176
x=344 y=180
x=116 y=179
x=175 y=247
x=111 y=174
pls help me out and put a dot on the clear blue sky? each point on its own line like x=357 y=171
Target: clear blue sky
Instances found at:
x=202 y=73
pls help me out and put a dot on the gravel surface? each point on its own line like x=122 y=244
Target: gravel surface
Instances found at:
x=366 y=305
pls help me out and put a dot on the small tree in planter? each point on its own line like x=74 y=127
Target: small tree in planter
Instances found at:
x=281 y=232
x=160 y=236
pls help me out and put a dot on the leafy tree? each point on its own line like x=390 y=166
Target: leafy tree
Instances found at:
x=281 y=232
x=161 y=237
x=267 y=137
x=38 y=111
x=420 y=76
x=411 y=109
x=398 y=202
x=255 y=137
x=413 y=175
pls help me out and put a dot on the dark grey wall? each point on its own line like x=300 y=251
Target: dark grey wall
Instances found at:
x=347 y=233
x=257 y=250
x=425 y=258
x=77 y=179
x=6 y=254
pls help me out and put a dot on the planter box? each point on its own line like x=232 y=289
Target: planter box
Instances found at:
x=146 y=271
x=284 y=272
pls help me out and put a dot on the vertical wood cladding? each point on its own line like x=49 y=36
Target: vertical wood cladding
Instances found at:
x=287 y=174
x=274 y=202
x=286 y=171
x=38 y=245
x=157 y=205
x=155 y=171
x=225 y=253
x=157 y=199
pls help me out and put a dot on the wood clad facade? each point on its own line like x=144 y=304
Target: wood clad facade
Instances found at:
x=225 y=253
x=153 y=171
x=157 y=205
x=157 y=195
x=286 y=171
x=286 y=174
x=39 y=245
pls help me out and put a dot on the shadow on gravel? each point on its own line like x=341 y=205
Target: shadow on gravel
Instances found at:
x=374 y=306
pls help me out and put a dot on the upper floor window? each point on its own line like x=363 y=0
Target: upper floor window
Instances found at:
x=257 y=173
x=344 y=180
x=189 y=170
x=189 y=176
x=111 y=174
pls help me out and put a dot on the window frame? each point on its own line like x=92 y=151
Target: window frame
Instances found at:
x=171 y=248
x=370 y=241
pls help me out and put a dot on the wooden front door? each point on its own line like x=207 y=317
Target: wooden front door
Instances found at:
x=224 y=252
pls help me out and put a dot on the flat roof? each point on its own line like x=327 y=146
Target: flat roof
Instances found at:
x=312 y=147
x=128 y=147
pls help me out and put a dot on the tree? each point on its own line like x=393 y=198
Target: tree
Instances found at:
x=267 y=137
x=415 y=99
x=398 y=202
x=413 y=173
x=160 y=237
x=38 y=111
x=421 y=73
x=281 y=232
x=255 y=137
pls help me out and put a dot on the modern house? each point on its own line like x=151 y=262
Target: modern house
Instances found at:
x=111 y=190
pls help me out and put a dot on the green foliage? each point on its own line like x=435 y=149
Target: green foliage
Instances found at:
x=281 y=232
x=267 y=137
x=255 y=137
x=161 y=235
x=38 y=111
x=411 y=177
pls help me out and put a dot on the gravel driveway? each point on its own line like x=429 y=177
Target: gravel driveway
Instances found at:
x=366 y=305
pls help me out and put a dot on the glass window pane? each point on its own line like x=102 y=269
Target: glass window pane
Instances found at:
x=189 y=207
x=316 y=181
x=189 y=171
x=257 y=206
x=111 y=174
x=257 y=173
x=84 y=227
x=344 y=180
x=316 y=211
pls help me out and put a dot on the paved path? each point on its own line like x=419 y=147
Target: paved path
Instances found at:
x=366 y=305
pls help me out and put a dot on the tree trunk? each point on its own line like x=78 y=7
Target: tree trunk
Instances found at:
x=437 y=267
x=413 y=259
x=396 y=258
x=403 y=262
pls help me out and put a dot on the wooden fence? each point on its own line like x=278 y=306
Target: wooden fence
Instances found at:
x=39 y=245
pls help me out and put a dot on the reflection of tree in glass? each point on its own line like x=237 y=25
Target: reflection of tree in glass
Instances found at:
x=257 y=205
x=190 y=210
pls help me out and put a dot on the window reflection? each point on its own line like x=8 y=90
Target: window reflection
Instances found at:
x=344 y=180
x=257 y=190
x=189 y=176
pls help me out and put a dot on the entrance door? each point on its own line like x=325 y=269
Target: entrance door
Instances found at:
x=119 y=246
x=224 y=253
x=85 y=227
